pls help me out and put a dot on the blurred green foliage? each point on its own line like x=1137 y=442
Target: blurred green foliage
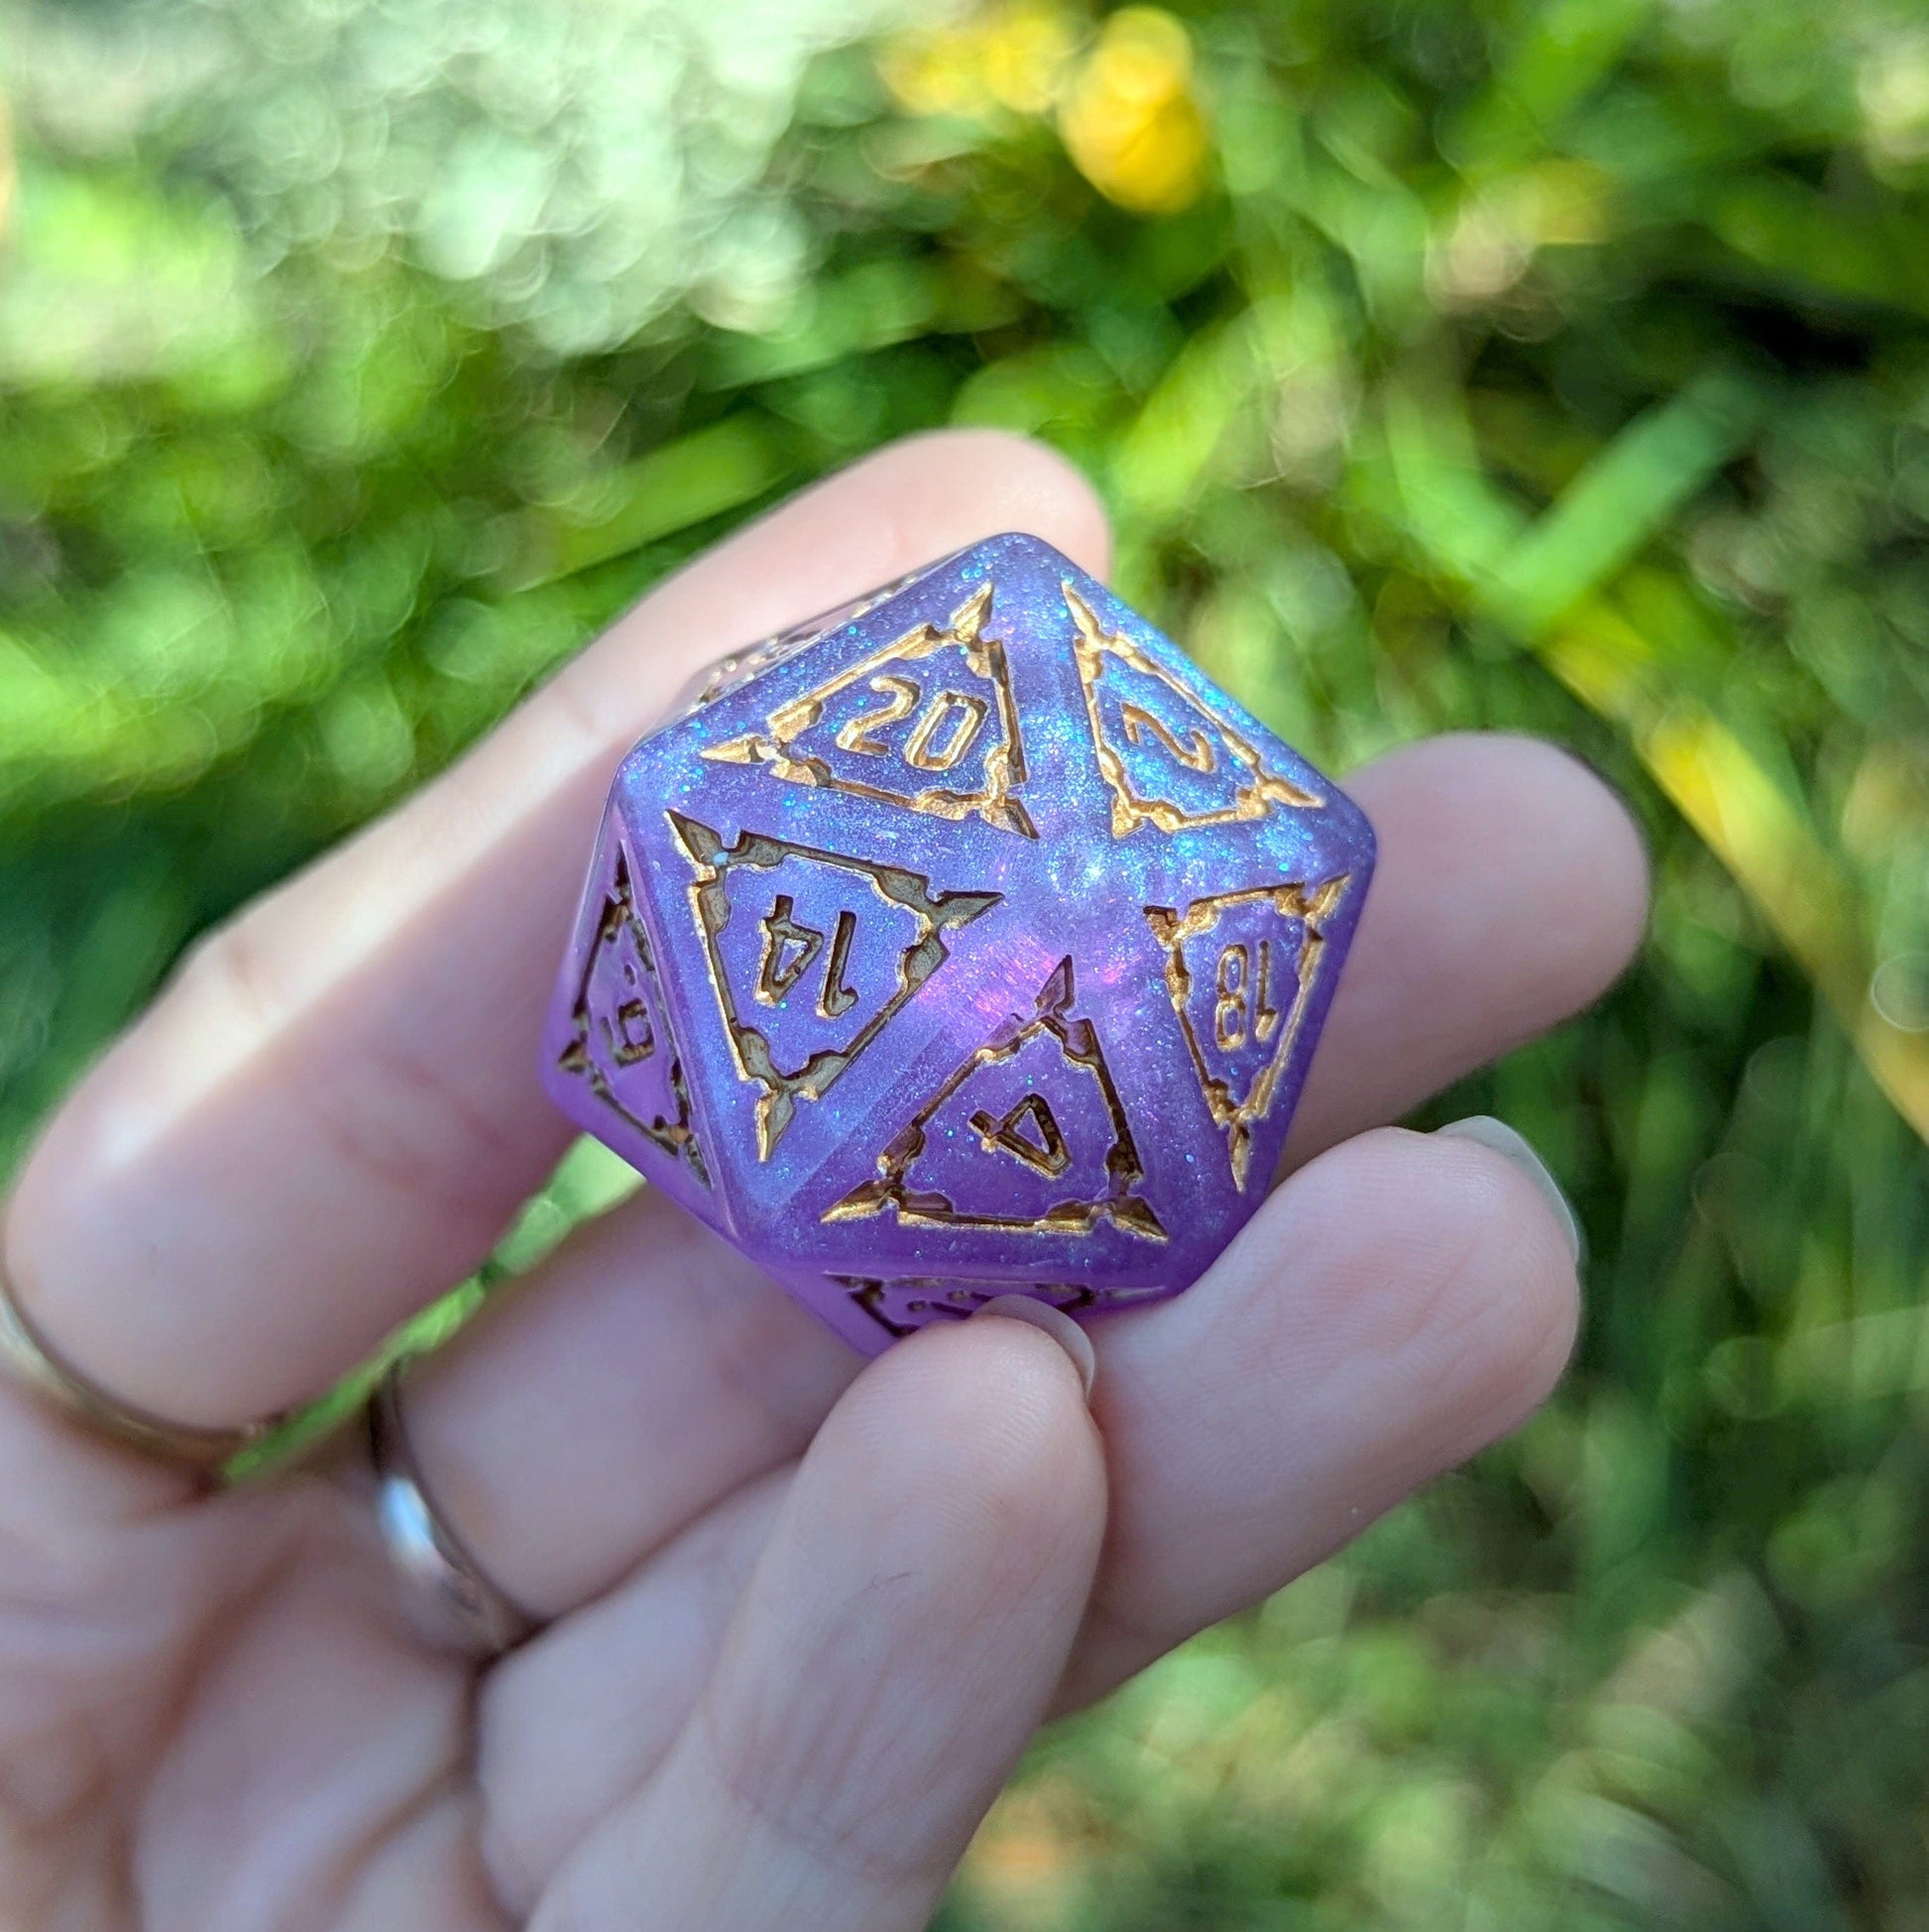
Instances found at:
x=1559 y=365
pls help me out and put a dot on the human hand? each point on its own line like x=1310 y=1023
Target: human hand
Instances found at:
x=801 y=1614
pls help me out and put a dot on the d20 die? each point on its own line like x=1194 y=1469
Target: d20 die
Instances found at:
x=966 y=941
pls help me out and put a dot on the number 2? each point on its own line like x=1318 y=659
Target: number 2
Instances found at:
x=900 y=696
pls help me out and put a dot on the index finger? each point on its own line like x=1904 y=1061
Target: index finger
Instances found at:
x=330 y=1113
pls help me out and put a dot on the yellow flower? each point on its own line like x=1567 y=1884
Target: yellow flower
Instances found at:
x=1128 y=111
x=1131 y=118
x=1011 y=56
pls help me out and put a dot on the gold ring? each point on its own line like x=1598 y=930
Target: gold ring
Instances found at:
x=39 y=1367
x=450 y=1602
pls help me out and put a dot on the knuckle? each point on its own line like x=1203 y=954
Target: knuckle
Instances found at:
x=230 y=969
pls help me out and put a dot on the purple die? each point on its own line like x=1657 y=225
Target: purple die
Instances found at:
x=965 y=942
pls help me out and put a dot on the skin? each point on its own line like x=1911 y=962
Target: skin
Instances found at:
x=804 y=1619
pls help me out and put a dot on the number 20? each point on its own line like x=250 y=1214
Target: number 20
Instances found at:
x=952 y=716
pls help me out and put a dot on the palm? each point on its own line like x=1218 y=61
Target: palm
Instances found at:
x=802 y=1620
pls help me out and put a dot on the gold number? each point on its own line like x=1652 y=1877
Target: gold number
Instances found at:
x=900 y=696
x=947 y=730
x=789 y=947
x=630 y=1039
x=836 y=998
x=1245 y=1001
x=1231 y=1014
x=969 y=714
x=1266 y=1016
x=1195 y=753
x=1043 y=1148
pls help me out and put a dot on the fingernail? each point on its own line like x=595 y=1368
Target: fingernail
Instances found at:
x=1502 y=1138
x=1055 y=1324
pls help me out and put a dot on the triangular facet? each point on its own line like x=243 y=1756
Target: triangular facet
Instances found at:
x=619 y=1041
x=811 y=954
x=1028 y=1133
x=1240 y=969
x=927 y=723
x=1169 y=759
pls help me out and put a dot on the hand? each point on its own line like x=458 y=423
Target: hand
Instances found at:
x=802 y=1619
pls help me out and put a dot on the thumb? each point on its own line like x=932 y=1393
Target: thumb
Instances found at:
x=895 y=1648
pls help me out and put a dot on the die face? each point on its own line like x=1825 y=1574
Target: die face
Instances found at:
x=609 y=1057
x=982 y=944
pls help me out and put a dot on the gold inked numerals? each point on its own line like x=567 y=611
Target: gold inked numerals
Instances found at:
x=927 y=722
x=1240 y=969
x=1194 y=751
x=1030 y=1132
x=1169 y=759
x=803 y=992
x=790 y=949
x=617 y=1028
x=904 y=1303
x=1046 y=1150
x=1245 y=1007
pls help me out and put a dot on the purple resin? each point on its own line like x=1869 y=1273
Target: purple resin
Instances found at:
x=966 y=941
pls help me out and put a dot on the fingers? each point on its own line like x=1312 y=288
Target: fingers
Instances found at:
x=1511 y=887
x=572 y=1722
x=327 y=1117
x=1395 y=1304
x=894 y=1648
x=648 y=1369
x=584 y=1418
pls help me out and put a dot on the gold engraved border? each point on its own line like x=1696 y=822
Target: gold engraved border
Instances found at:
x=1004 y=765
x=1079 y=1041
x=1313 y=907
x=677 y=1138
x=936 y=912
x=949 y=1299
x=1261 y=789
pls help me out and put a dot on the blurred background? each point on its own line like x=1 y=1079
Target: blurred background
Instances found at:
x=1559 y=365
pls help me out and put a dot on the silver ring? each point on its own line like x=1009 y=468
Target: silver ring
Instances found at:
x=451 y=1603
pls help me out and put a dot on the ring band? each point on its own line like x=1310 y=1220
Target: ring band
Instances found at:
x=39 y=1367
x=451 y=1603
